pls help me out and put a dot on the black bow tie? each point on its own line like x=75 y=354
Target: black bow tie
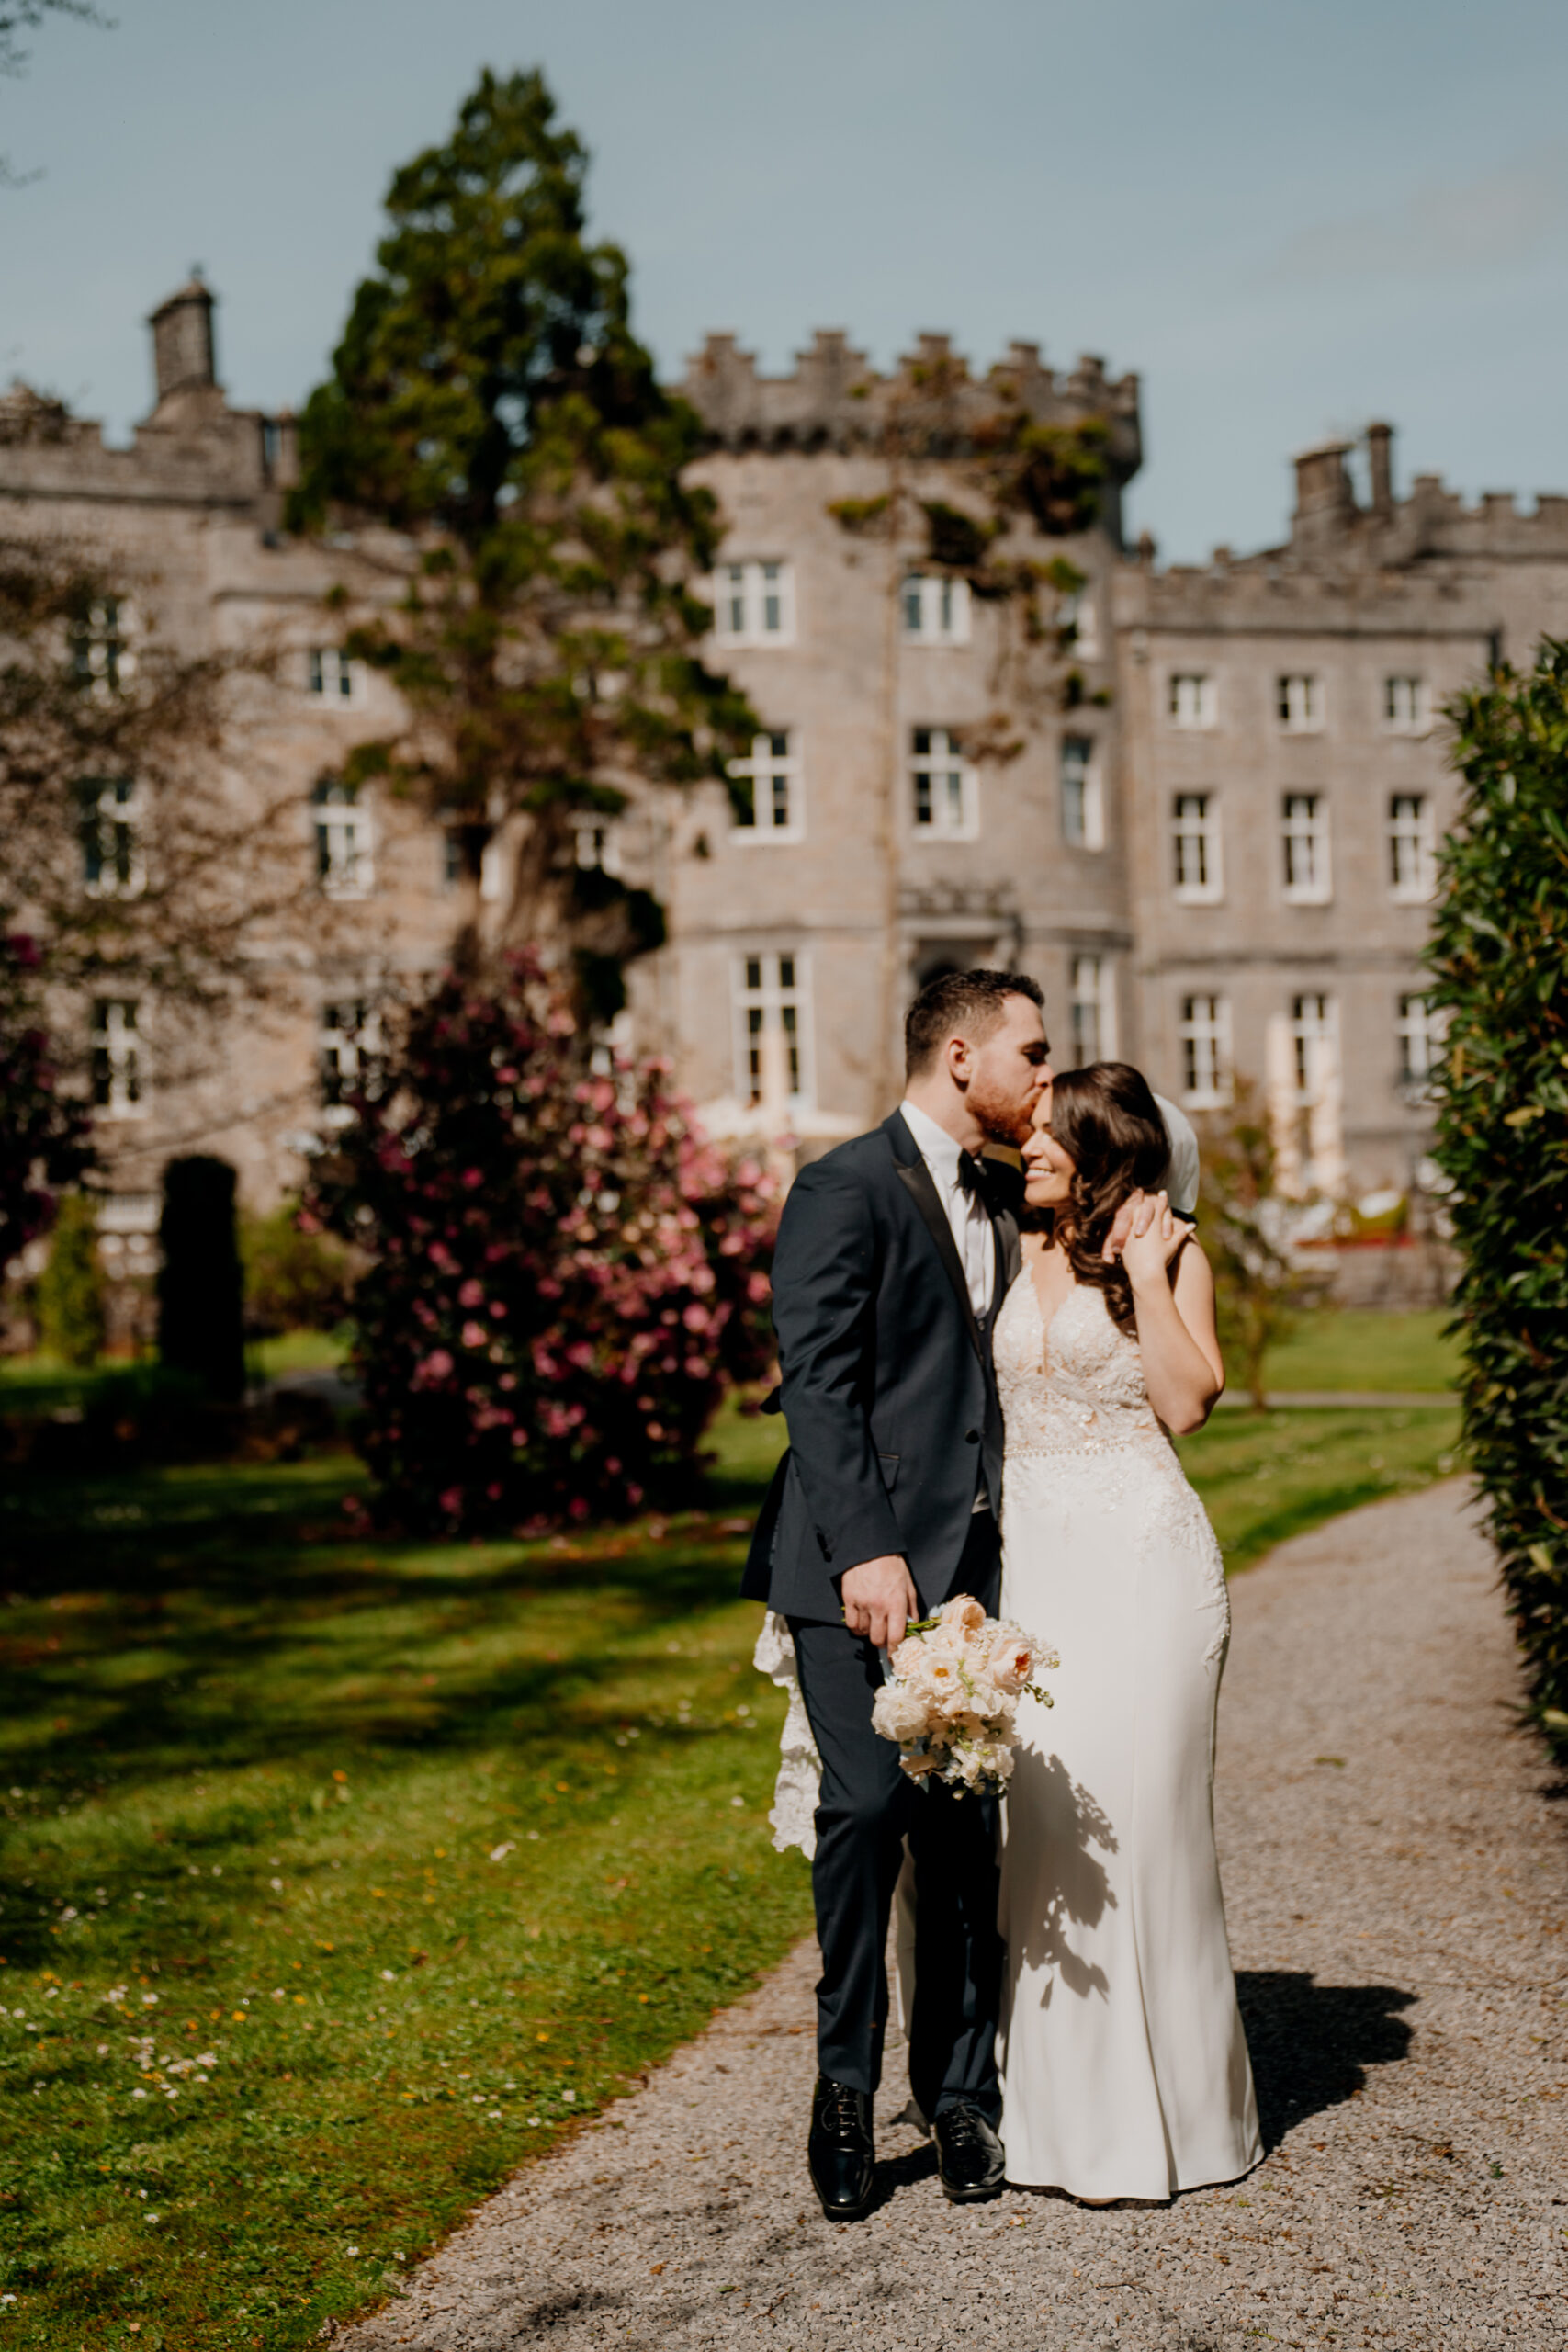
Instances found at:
x=971 y=1176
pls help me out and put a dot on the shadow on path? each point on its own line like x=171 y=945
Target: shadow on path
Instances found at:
x=1312 y=2043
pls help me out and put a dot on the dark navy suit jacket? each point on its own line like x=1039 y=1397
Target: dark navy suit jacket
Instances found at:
x=887 y=1384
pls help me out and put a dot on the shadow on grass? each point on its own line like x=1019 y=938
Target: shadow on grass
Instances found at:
x=265 y=1636
x=1311 y=2043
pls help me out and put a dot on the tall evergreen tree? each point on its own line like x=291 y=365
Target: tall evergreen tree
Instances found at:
x=491 y=405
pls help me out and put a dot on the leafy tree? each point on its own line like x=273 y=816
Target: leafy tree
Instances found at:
x=295 y=1280
x=565 y=1276
x=1257 y=1287
x=1499 y=954
x=44 y=1137
x=490 y=405
x=71 y=1287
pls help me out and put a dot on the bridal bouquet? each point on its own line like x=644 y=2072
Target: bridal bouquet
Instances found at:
x=951 y=1698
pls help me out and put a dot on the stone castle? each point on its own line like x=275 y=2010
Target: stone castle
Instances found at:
x=1213 y=841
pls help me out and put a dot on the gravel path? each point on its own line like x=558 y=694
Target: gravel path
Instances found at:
x=1397 y=1881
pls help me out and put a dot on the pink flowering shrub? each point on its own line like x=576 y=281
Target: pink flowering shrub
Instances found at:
x=566 y=1276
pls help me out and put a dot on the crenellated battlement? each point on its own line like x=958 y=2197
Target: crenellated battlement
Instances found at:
x=835 y=398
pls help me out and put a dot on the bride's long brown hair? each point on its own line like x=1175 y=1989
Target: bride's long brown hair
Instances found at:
x=1107 y=1120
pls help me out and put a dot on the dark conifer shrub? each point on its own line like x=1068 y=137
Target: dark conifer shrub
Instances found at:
x=200 y=1289
x=1500 y=954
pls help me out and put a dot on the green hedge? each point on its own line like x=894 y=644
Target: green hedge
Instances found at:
x=1500 y=954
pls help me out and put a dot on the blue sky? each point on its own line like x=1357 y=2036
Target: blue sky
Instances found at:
x=1288 y=215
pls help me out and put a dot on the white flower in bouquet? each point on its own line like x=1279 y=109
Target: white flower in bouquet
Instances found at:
x=950 y=1700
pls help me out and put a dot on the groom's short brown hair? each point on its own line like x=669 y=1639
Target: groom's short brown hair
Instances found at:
x=964 y=1004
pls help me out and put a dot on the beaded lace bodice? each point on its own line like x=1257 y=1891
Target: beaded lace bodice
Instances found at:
x=1076 y=1387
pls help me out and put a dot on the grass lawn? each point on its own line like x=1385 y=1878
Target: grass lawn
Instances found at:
x=1358 y=1347
x=341 y=1876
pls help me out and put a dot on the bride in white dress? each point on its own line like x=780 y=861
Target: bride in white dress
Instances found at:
x=1124 y=2066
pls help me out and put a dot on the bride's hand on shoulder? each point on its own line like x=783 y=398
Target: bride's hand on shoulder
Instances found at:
x=1151 y=1244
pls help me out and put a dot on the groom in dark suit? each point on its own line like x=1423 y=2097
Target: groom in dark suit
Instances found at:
x=894 y=1257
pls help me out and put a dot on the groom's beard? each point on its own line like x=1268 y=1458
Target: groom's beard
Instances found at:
x=1001 y=1118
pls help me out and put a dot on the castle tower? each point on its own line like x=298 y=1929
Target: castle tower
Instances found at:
x=183 y=359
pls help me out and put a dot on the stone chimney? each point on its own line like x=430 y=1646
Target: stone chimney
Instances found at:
x=1379 y=466
x=1325 y=498
x=183 y=358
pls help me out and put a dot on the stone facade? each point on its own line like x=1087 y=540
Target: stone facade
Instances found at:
x=1210 y=835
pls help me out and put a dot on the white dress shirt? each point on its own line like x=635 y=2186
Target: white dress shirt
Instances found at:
x=971 y=1225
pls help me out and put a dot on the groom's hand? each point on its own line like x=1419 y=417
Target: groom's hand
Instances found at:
x=879 y=1598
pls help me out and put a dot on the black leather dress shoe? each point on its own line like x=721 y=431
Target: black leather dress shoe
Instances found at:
x=840 y=2151
x=970 y=2160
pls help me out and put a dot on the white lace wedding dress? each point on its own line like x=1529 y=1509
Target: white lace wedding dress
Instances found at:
x=1124 y=2067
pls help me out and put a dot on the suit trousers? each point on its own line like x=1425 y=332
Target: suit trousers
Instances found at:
x=867 y=1807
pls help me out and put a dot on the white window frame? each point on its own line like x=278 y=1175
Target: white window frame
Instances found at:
x=945 y=785
x=773 y=769
x=1204 y=1032
x=119 y=1073
x=1419 y=1029
x=1315 y=1043
x=1197 y=849
x=1412 y=849
x=1080 y=612
x=770 y=994
x=346 y=1051
x=1298 y=702
x=102 y=654
x=753 y=602
x=1082 y=797
x=1307 y=863
x=110 y=813
x=492 y=862
x=934 y=608
x=332 y=677
x=1191 y=699
x=1092 y=1009
x=596 y=847
x=1406 y=704
x=343 y=840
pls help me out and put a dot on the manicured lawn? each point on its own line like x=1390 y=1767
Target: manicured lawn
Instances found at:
x=1356 y=1347
x=342 y=1875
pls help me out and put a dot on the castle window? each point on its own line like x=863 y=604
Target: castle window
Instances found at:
x=1300 y=703
x=1204 y=1032
x=348 y=1046
x=342 y=839
x=1419 y=1029
x=1093 y=1010
x=1412 y=863
x=771 y=1013
x=1195 y=841
x=1313 y=1035
x=765 y=796
x=598 y=845
x=492 y=862
x=331 y=675
x=1304 y=839
x=1083 y=815
x=100 y=656
x=1078 y=614
x=108 y=828
x=1193 y=702
x=945 y=797
x=935 y=609
x=754 y=604
x=116 y=1057
x=1404 y=705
